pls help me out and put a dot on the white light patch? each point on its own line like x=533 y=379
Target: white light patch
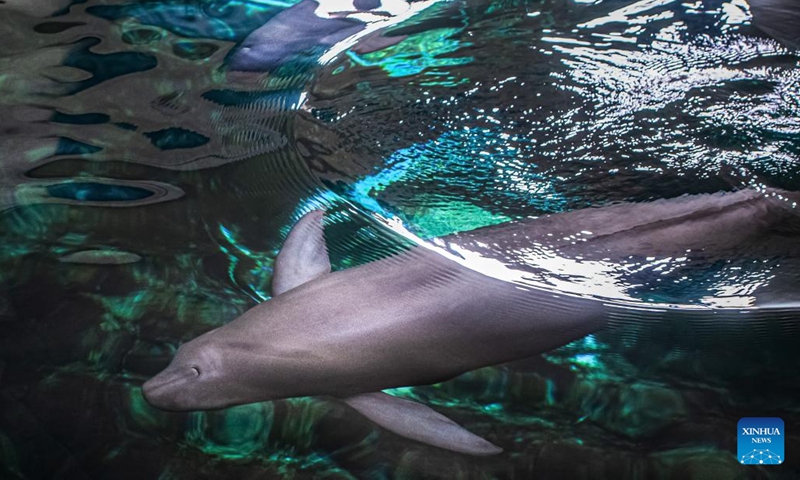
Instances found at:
x=600 y=279
x=373 y=26
x=347 y=9
x=624 y=15
x=736 y=12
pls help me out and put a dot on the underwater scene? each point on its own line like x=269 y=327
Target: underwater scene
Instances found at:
x=564 y=238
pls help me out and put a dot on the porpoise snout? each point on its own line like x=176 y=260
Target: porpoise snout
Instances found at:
x=167 y=390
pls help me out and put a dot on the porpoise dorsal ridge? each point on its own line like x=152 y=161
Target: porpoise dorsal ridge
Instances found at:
x=304 y=255
x=303 y=258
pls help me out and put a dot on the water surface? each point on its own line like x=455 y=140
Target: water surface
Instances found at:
x=146 y=189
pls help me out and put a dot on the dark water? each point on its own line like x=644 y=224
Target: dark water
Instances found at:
x=146 y=190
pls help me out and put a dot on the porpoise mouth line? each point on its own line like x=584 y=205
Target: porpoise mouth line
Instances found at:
x=171 y=381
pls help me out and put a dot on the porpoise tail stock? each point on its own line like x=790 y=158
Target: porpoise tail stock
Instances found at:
x=418 y=317
x=779 y=19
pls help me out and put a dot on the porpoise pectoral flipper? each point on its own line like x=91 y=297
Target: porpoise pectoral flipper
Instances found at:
x=418 y=422
x=303 y=258
x=304 y=255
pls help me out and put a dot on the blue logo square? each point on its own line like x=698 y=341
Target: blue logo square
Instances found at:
x=760 y=441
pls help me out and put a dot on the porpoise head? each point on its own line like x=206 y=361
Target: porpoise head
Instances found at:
x=187 y=381
x=202 y=377
x=232 y=365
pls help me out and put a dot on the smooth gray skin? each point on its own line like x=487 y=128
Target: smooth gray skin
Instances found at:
x=303 y=256
x=294 y=31
x=779 y=19
x=420 y=318
x=416 y=318
x=297 y=32
x=711 y=226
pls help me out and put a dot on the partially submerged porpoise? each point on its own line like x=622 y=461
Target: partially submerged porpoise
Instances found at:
x=312 y=27
x=420 y=318
x=298 y=30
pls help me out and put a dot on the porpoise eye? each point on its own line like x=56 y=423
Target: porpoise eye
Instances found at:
x=196 y=371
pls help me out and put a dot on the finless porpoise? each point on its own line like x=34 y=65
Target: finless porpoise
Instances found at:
x=419 y=317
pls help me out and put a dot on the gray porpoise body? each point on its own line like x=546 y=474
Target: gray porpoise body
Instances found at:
x=419 y=317
x=294 y=31
x=414 y=319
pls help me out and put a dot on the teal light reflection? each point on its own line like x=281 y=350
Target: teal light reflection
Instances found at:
x=421 y=53
x=249 y=269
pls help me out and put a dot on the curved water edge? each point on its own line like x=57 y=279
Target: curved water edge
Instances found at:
x=470 y=115
x=484 y=159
